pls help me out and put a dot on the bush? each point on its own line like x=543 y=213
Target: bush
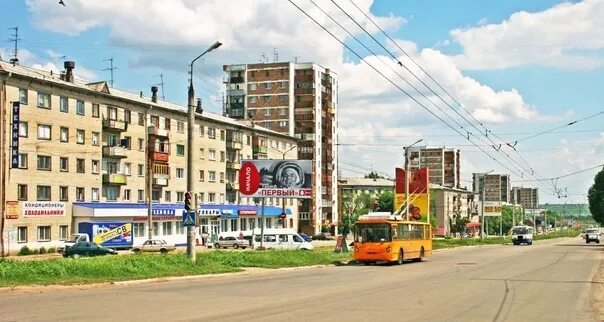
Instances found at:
x=52 y=250
x=34 y=251
x=24 y=251
x=42 y=250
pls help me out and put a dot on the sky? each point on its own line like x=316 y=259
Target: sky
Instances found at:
x=481 y=76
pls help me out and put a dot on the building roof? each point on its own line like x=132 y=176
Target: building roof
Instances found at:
x=439 y=187
x=101 y=87
x=366 y=182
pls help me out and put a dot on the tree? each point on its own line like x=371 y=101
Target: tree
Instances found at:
x=457 y=224
x=386 y=201
x=346 y=226
x=374 y=175
x=595 y=197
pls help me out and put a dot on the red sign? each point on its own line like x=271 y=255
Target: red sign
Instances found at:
x=283 y=216
x=247 y=212
x=418 y=181
x=249 y=179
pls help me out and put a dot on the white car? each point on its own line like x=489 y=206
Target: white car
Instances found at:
x=154 y=245
x=592 y=235
x=230 y=241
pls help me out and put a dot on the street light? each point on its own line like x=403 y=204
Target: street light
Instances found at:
x=484 y=183
x=283 y=199
x=191 y=144
x=407 y=178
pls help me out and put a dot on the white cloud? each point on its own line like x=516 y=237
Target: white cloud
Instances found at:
x=567 y=36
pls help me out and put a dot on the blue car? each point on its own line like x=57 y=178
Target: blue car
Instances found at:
x=305 y=237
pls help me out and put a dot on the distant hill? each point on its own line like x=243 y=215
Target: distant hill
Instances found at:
x=571 y=209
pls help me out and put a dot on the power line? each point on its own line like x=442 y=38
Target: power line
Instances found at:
x=566 y=175
x=558 y=127
x=448 y=135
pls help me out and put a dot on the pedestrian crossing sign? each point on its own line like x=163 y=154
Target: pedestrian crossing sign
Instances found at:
x=188 y=218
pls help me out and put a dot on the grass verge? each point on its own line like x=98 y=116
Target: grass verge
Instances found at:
x=450 y=243
x=62 y=271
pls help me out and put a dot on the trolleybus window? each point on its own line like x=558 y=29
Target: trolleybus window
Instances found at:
x=372 y=232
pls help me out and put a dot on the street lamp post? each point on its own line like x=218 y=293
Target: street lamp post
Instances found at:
x=484 y=183
x=407 y=178
x=190 y=146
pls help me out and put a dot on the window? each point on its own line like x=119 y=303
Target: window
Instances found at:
x=201 y=130
x=180 y=127
x=282 y=123
x=234 y=225
x=211 y=133
x=23 y=129
x=283 y=111
x=127 y=194
x=304 y=215
x=79 y=194
x=43 y=193
x=283 y=98
x=22 y=192
x=221 y=156
x=201 y=197
x=253 y=99
x=266 y=98
x=211 y=197
x=180 y=173
x=80 y=107
x=43 y=100
x=126 y=142
x=44 y=132
x=180 y=150
x=112 y=193
x=167 y=231
x=222 y=135
x=212 y=176
x=95 y=110
x=138 y=229
x=80 y=136
x=201 y=153
x=23 y=162
x=95 y=194
x=266 y=73
x=180 y=196
x=212 y=155
x=95 y=166
x=23 y=96
x=128 y=116
x=127 y=167
x=201 y=175
x=80 y=165
x=140 y=170
x=44 y=162
x=21 y=234
x=43 y=233
x=141 y=144
x=64 y=134
x=252 y=86
x=267 y=112
x=167 y=123
x=63 y=193
x=111 y=113
x=63 y=232
x=168 y=196
x=155 y=228
x=222 y=177
x=179 y=228
x=95 y=138
x=141 y=119
x=64 y=104
x=64 y=164
x=282 y=84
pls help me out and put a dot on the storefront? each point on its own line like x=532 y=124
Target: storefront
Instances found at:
x=233 y=220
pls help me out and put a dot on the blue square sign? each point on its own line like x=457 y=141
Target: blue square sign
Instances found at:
x=188 y=218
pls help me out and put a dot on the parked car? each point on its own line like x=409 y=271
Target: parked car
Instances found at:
x=85 y=248
x=305 y=237
x=153 y=246
x=75 y=238
x=230 y=241
x=323 y=236
x=592 y=235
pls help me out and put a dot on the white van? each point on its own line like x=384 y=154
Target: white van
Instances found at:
x=279 y=239
x=522 y=235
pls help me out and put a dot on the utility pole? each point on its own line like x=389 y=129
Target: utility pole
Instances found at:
x=482 y=202
x=111 y=69
x=407 y=178
x=149 y=177
x=15 y=38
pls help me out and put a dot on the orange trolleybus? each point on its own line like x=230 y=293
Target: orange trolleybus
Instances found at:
x=382 y=237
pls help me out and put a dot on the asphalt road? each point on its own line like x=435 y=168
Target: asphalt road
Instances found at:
x=552 y=280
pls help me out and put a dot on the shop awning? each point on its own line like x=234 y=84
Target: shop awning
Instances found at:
x=235 y=211
x=124 y=209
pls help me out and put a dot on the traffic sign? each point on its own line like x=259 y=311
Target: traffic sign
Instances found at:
x=283 y=215
x=188 y=218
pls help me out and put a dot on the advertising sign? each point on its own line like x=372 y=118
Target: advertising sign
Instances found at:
x=419 y=205
x=419 y=198
x=15 y=137
x=492 y=208
x=112 y=234
x=43 y=209
x=276 y=178
x=12 y=210
x=418 y=181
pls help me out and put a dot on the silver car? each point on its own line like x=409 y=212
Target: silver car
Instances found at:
x=235 y=242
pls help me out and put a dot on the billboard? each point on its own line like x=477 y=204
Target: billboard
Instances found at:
x=418 y=181
x=419 y=197
x=276 y=178
x=43 y=209
x=492 y=208
x=419 y=205
x=110 y=234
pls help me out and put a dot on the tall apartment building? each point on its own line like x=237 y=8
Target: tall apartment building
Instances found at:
x=444 y=164
x=88 y=153
x=497 y=186
x=298 y=99
x=527 y=197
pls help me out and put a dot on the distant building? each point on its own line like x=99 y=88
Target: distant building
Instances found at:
x=296 y=99
x=374 y=187
x=443 y=164
x=447 y=203
x=497 y=186
x=527 y=197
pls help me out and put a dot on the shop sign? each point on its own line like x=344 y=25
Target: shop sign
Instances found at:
x=43 y=209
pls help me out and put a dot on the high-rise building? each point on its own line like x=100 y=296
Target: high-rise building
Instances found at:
x=497 y=186
x=298 y=99
x=443 y=164
x=527 y=197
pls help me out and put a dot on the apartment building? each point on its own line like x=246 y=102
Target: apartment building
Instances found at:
x=298 y=99
x=88 y=153
x=444 y=164
x=447 y=203
x=497 y=186
x=528 y=198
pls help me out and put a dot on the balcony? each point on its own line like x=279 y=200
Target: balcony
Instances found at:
x=238 y=79
x=234 y=145
x=232 y=185
x=236 y=92
x=114 y=151
x=234 y=165
x=114 y=178
x=260 y=149
x=114 y=125
x=154 y=130
x=159 y=156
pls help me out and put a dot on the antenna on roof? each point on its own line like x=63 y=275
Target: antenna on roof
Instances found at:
x=296 y=59
x=161 y=83
x=275 y=55
x=263 y=58
x=15 y=38
x=111 y=69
